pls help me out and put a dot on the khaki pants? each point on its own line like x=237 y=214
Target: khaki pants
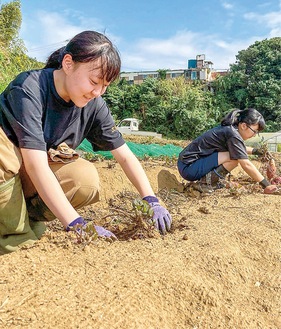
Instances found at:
x=10 y=158
x=79 y=181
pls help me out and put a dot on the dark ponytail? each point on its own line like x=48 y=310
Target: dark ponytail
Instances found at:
x=55 y=59
x=89 y=46
x=249 y=115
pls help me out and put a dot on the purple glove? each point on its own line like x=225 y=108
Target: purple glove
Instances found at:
x=102 y=232
x=161 y=217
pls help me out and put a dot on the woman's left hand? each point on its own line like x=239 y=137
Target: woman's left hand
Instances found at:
x=270 y=189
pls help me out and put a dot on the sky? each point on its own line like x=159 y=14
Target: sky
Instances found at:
x=153 y=34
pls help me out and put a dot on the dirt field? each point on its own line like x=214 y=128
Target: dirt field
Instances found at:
x=218 y=268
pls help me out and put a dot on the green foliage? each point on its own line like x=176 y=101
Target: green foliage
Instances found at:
x=12 y=63
x=255 y=81
x=175 y=108
x=180 y=109
x=122 y=99
x=13 y=58
x=10 y=23
x=85 y=234
x=162 y=74
x=92 y=157
x=142 y=209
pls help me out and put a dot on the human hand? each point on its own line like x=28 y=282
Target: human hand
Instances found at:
x=79 y=224
x=161 y=217
x=270 y=189
x=102 y=232
x=258 y=151
x=262 y=152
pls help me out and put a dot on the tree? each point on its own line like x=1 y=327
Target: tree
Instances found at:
x=13 y=58
x=255 y=81
x=162 y=73
x=173 y=107
x=10 y=23
x=122 y=99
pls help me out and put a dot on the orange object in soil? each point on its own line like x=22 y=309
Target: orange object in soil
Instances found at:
x=271 y=169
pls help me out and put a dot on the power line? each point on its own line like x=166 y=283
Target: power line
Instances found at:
x=45 y=47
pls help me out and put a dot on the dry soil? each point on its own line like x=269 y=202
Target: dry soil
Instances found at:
x=218 y=268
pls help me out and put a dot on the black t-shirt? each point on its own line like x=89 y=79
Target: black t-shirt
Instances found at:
x=34 y=116
x=218 y=139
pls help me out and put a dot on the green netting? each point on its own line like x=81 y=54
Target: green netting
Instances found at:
x=140 y=150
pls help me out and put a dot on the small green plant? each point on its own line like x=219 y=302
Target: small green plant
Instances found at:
x=92 y=157
x=144 y=225
x=170 y=161
x=142 y=209
x=85 y=234
x=263 y=146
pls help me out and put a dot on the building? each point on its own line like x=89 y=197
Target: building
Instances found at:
x=197 y=69
x=139 y=77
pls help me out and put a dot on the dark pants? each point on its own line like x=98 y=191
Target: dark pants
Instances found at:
x=198 y=168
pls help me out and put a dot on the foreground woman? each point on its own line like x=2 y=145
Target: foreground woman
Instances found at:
x=44 y=115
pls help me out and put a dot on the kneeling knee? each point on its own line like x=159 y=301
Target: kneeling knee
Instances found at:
x=86 y=186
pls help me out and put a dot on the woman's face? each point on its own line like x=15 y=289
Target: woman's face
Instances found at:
x=83 y=82
x=248 y=131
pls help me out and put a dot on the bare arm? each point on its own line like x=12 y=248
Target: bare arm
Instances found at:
x=249 y=150
x=251 y=170
x=48 y=187
x=136 y=174
x=133 y=170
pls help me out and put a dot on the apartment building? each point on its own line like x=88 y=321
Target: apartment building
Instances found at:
x=197 y=69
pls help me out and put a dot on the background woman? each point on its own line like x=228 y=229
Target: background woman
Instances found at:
x=214 y=154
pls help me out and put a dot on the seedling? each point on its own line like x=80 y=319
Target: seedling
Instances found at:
x=85 y=234
x=92 y=157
